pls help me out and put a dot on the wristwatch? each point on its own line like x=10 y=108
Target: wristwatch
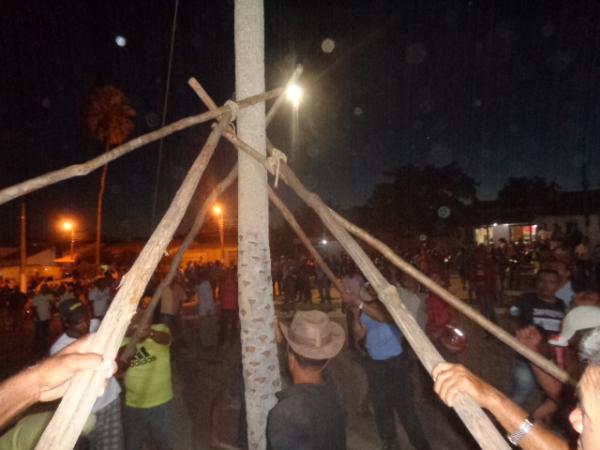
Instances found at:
x=523 y=430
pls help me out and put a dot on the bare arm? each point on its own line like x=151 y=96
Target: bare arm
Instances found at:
x=377 y=311
x=359 y=329
x=531 y=337
x=453 y=378
x=374 y=309
x=45 y=381
x=160 y=337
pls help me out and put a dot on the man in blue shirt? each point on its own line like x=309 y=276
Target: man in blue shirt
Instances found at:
x=389 y=370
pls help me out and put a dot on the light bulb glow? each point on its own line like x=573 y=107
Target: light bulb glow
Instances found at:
x=294 y=94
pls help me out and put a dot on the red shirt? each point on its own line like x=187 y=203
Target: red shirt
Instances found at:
x=228 y=293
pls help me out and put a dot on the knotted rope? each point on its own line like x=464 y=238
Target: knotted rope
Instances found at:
x=275 y=162
x=234 y=108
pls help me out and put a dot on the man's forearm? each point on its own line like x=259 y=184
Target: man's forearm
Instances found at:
x=510 y=416
x=551 y=386
x=377 y=312
x=160 y=337
x=17 y=394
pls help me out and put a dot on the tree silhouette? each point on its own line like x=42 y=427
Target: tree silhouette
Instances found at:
x=108 y=117
x=527 y=194
x=419 y=200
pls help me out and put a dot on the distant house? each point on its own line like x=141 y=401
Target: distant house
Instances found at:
x=568 y=208
x=40 y=262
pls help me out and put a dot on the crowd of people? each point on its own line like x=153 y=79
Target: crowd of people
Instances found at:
x=206 y=294
x=559 y=318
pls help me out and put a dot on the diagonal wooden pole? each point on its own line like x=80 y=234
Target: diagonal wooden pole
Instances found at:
x=66 y=424
x=289 y=217
x=476 y=421
x=198 y=222
x=505 y=337
x=536 y=358
x=78 y=170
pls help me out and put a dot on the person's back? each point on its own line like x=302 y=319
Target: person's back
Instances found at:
x=308 y=416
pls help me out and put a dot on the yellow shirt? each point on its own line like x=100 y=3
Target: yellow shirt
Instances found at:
x=148 y=378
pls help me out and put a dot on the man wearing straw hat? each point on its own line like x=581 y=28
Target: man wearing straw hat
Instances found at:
x=309 y=414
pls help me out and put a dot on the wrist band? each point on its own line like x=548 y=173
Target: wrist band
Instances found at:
x=361 y=306
x=523 y=430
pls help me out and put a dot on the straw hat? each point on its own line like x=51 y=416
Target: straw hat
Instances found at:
x=313 y=335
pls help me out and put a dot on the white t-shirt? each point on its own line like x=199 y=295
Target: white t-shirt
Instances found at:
x=206 y=305
x=99 y=299
x=566 y=294
x=111 y=393
x=414 y=304
x=41 y=302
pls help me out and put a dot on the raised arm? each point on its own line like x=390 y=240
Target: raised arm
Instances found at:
x=453 y=378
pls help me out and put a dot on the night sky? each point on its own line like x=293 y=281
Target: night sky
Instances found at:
x=504 y=88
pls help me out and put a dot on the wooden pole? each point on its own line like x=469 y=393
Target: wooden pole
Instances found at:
x=198 y=222
x=255 y=288
x=537 y=359
x=289 y=217
x=78 y=170
x=23 y=253
x=470 y=413
x=66 y=424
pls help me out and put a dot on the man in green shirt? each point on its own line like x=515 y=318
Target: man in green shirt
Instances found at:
x=148 y=388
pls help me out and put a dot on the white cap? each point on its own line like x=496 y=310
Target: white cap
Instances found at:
x=580 y=318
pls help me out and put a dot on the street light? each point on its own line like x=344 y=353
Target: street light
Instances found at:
x=218 y=211
x=69 y=226
x=294 y=94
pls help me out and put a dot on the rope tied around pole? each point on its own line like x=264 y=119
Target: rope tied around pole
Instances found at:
x=234 y=108
x=277 y=156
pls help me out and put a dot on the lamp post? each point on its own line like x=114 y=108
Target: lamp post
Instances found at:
x=69 y=226
x=218 y=211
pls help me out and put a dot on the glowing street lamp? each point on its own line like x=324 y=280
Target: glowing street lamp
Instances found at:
x=218 y=211
x=69 y=227
x=294 y=94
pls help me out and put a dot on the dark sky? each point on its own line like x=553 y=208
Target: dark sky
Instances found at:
x=505 y=88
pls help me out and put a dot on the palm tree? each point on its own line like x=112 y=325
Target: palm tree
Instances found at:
x=108 y=117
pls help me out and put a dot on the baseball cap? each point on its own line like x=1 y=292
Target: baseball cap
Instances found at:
x=580 y=318
x=72 y=310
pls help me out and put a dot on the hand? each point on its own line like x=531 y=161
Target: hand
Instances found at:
x=144 y=332
x=350 y=299
x=531 y=337
x=53 y=375
x=452 y=379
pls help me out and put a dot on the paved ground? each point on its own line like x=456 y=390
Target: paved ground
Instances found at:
x=208 y=393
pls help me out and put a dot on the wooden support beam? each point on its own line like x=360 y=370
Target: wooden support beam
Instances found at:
x=507 y=338
x=471 y=414
x=78 y=170
x=537 y=359
x=66 y=424
x=291 y=220
x=477 y=422
x=198 y=222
